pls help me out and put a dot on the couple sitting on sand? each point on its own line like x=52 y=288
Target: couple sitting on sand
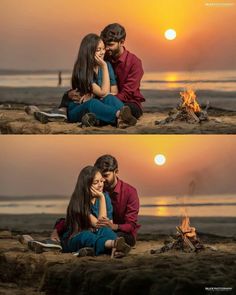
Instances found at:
x=103 y=91
x=101 y=216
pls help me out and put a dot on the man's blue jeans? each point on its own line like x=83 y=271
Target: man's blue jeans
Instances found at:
x=88 y=238
x=105 y=109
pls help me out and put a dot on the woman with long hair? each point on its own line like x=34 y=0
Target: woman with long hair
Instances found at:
x=88 y=203
x=94 y=80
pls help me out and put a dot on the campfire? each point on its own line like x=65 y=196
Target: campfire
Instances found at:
x=188 y=110
x=185 y=240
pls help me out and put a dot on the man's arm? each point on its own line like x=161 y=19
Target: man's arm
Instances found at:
x=131 y=216
x=132 y=82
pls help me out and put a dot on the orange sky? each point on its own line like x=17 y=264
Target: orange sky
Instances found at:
x=44 y=165
x=46 y=34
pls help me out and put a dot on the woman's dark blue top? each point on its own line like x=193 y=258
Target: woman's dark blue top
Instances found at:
x=98 y=77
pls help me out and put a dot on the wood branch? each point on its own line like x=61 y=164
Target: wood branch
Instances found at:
x=191 y=112
x=186 y=239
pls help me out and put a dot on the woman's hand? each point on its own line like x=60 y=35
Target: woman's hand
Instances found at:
x=100 y=61
x=96 y=193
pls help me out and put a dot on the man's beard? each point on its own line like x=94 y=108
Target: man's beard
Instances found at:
x=109 y=186
x=113 y=53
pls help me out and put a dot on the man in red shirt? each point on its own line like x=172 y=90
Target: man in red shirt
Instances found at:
x=124 y=199
x=127 y=67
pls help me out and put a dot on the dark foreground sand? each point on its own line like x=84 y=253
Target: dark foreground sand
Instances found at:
x=23 y=272
x=13 y=119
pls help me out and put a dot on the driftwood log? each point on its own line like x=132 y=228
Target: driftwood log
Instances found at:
x=185 y=238
x=184 y=115
x=181 y=243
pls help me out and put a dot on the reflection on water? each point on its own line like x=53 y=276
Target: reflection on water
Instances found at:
x=156 y=206
x=160 y=210
x=198 y=80
x=194 y=206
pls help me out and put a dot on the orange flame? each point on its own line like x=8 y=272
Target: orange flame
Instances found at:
x=189 y=100
x=187 y=229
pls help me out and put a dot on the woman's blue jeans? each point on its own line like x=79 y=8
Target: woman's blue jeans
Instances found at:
x=91 y=239
x=105 y=109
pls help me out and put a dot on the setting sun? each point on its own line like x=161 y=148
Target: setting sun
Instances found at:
x=160 y=160
x=170 y=34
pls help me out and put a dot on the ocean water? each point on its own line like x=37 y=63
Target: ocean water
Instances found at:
x=195 y=206
x=198 y=80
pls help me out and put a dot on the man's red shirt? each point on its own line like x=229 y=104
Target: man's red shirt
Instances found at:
x=125 y=204
x=129 y=71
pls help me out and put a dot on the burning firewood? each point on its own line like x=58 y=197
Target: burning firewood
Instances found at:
x=185 y=240
x=188 y=110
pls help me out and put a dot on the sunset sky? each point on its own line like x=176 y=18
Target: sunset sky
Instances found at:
x=49 y=165
x=46 y=34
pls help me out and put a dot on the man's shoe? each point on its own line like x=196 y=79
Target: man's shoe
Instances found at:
x=127 y=117
x=89 y=120
x=55 y=114
x=41 y=117
x=45 y=245
x=87 y=251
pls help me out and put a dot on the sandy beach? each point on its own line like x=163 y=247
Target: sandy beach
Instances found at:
x=13 y=119
x=173 y=272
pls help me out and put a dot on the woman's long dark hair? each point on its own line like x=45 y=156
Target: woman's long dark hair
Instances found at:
x=78 y=210
x=83 y=72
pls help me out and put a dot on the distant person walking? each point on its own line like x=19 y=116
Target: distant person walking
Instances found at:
x=59 y=78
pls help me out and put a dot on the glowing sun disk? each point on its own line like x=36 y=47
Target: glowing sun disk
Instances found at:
x=160 y=159
x=170 y=34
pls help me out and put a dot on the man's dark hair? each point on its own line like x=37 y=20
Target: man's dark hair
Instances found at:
x=113 y=33
x=106 y=163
